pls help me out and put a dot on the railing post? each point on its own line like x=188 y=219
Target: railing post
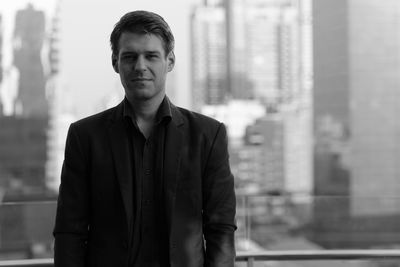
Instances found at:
x=250 y=262
x=247 y=220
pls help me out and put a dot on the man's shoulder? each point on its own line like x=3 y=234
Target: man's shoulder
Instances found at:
x=199 y=124
x=193 y=117
x=96 y=120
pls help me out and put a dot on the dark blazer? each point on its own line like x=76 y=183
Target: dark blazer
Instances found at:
x=94 y=211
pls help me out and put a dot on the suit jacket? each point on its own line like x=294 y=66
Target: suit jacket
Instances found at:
x=94 y=212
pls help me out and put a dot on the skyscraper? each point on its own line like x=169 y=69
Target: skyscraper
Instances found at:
x=1 y=48
x=331 y=105
x=246 y=49
x=29 y=33
x=356 y=102
x=209 y=56
x=272 y=31
x=1 y=63
x=375 y=105
x=240 y=86
x=58 y=122
x=356 y=93
x=23 y=135
x=331 y=63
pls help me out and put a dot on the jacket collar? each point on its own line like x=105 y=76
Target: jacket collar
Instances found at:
x=176 y=115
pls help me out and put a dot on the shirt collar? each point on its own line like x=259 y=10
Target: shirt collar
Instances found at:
x=163 y=113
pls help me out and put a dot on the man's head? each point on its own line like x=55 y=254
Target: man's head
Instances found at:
x=143 y=22
x=142 y=45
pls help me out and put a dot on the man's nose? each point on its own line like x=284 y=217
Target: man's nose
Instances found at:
x=140 y=64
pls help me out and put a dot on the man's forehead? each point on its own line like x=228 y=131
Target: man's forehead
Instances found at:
x=141 y=35
x=152 y=41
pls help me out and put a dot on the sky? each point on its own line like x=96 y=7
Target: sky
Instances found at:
x=85 y=55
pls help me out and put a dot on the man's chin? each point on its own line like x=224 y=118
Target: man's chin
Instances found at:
x=140 y=96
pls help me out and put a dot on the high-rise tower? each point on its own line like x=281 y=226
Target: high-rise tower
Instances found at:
x=209 y=55
x=356 y=100
x=23 y=135
x=1 y=63
x=29 y=34
x=356 y=94
x=374 y=107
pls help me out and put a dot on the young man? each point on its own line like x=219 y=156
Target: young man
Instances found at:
x=145 y=183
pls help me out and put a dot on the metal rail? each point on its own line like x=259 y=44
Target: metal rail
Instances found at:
x=311 y=255
x=251 y=257
x=27 y=263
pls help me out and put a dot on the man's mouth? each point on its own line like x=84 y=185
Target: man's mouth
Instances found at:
x=140 y=80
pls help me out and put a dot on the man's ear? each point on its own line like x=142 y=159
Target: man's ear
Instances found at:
x=114 y=62
x=171 y=61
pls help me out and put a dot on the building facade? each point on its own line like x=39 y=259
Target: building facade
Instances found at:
x=355 y=127
x=209 y=71
x=23 y=134
x=29 y=35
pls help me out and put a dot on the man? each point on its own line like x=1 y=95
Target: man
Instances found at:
x=145 y=183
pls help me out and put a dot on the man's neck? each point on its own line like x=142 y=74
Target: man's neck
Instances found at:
x=145 y=113
x=146 y=110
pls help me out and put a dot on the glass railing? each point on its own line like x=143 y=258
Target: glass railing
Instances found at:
x=273 y=230
x=26 y=229
x=297 y=222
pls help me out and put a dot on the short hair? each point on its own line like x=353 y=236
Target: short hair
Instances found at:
x=144 y=22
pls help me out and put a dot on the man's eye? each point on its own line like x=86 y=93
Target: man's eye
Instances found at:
x=129 y=58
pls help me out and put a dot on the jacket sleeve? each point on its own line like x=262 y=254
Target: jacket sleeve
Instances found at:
x=219 y=205
x=72 y=216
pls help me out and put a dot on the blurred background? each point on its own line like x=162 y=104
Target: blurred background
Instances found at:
x=309 y=91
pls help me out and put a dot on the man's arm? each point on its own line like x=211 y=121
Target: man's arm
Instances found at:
x=72 y=218
x=219 y=205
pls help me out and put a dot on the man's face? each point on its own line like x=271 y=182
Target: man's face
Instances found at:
x=142 y=65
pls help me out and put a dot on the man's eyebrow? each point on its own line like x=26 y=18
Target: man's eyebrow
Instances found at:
x=153 y=52
x=128 y=53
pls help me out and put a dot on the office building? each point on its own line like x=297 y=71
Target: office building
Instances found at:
x=355 y=105
x=356 y=91
x=1 y=64
x=375 y=97
x=23 y=135
x=209 y=71
x=29 y=34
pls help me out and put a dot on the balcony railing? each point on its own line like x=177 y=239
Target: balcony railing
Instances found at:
x=272 y=231
x=265 y=256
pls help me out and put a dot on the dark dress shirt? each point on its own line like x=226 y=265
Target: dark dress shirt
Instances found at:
x=149 y=240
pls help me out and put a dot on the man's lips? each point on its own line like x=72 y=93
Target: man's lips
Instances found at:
x=140 y=79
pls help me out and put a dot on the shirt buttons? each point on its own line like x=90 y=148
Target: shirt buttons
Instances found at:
x=147 y=171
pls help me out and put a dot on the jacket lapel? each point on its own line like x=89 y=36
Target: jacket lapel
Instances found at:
x=122 y=161
x=172 y=154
